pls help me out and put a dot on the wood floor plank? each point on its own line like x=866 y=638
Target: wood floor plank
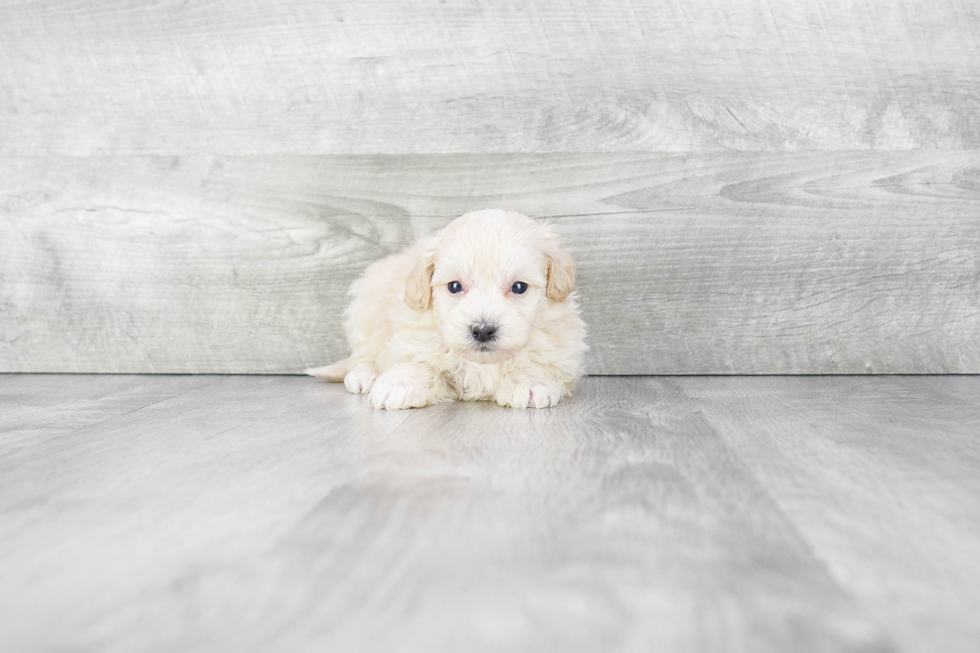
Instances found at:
x=881 y=478
x=279 y=513
x=35 y=407
x=747 y=263
x=104 y=531
x=617 y=522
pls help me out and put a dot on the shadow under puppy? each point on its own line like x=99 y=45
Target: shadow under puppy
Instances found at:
x=483 y=310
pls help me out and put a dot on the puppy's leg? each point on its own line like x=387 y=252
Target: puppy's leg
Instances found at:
x=529 y=392
x=360 y=379
x=409 y=385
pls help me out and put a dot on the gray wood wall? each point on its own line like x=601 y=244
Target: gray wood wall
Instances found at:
x=755 y=187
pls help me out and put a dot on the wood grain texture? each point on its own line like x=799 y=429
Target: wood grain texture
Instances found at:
x=30 y=415
x=735 y=263
x=384 y=76
x=280 y=513
x=881 y=479
x=192 y=485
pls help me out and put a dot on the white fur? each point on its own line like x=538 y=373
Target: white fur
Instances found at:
x=410 y=338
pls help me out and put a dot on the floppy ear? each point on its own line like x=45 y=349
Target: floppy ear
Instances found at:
x=418 y=285
x=561 y=274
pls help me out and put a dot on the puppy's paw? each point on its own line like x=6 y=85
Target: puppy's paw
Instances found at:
x=396 y=391
x=359 y=381
x=532 y=395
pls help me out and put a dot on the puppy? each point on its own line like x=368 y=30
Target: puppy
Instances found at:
x=483 y=310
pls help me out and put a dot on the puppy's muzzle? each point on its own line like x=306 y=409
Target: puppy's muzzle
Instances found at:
x=483 y=332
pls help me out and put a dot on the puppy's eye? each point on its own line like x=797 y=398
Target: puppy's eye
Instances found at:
x=455 y=287
x=519 y=288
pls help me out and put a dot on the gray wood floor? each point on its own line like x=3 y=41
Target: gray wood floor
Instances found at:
x=202 y=513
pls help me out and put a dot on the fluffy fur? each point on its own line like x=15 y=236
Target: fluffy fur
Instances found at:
x=415 y=343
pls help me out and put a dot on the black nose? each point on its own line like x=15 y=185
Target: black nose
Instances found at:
x=483 y=332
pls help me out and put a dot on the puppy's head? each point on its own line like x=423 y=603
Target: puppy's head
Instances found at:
x=488 y=276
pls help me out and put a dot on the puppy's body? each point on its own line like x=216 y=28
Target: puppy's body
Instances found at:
x=417 y=338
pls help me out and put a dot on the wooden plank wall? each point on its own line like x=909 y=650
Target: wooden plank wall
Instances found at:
x=755 y=187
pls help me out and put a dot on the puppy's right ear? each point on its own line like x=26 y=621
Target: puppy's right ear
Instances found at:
x=418 y=285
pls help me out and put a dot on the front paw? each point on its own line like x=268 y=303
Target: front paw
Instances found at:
x=392 y=392
x=359 y=380
x=532 y=395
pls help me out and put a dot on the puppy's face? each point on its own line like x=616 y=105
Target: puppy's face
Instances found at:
x=487 y=302
x=488 y=279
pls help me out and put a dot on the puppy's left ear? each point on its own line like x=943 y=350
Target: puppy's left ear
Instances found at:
x=561 y=274
x=418 y=285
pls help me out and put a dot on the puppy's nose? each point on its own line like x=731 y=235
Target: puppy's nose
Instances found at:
x=484 y=331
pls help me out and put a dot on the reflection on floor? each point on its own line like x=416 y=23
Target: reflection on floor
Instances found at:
x=183 y=513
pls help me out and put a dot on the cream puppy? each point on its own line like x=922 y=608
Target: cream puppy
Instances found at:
x=483 y=310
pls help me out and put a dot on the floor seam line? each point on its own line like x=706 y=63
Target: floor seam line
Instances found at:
x=115 y=417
